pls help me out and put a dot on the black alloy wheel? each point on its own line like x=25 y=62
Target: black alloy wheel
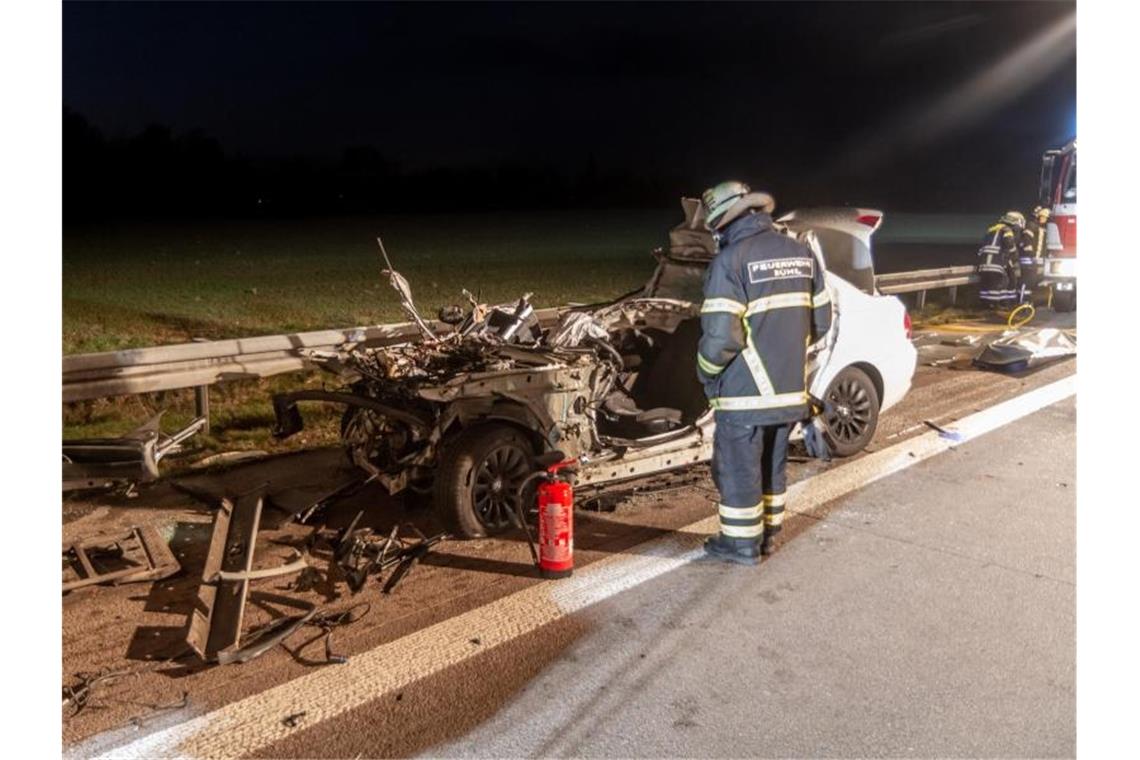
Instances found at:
x=852 y=413
x=494 y=493
x=476 y=488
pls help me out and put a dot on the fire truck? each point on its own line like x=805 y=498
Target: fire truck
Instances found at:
x=1058 y=193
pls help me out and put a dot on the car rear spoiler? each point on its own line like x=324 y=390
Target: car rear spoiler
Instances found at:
x=857 y=222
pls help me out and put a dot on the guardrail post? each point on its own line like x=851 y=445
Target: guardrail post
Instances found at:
x=953 y=294
x=921 y=300
x=202 y=405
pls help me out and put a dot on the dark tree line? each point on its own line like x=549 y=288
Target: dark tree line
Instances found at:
x=161 y=173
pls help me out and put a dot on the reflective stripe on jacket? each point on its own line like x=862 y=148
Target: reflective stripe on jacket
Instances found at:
x=999 y=249
x=1033 y=242
x=765 y=302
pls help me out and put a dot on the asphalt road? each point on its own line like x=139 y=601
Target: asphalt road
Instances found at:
x=928 y=615
x=141 y=627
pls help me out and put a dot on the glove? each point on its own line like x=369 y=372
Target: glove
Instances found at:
x=710 y=384
x=814 y=440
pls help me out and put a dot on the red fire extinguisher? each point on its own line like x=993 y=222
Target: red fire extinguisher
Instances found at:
x=555 y=494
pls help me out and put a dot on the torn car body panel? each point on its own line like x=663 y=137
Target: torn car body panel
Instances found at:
x=133 y=458
x=214 y=630
x=613 y=385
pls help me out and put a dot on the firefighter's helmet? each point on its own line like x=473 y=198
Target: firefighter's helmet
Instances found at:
x=725 y=202
x=1042 y=214
x=1014 y=219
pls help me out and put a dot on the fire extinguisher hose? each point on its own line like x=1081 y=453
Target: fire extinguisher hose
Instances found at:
x=520 y=513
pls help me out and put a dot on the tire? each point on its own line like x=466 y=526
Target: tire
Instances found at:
x=476 y=484
x=1064 y=300
x=853 y=412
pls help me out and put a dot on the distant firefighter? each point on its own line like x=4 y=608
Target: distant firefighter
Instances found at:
x=1032 y=255
x=998 y=274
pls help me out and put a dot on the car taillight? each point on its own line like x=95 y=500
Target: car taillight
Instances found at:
x=868 y=219
x=906 y=323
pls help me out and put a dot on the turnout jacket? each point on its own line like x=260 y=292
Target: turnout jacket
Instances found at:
x=1033 y=243
x=998 y=269
x=765 y=302
x=999 y=249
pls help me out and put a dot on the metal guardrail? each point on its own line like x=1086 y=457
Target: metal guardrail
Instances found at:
x=921 y=280
x=202 y=364
x=199 y=365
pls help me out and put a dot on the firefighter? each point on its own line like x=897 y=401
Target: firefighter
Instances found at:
x=765 y=302
x=1032 y=249
x=998 y=275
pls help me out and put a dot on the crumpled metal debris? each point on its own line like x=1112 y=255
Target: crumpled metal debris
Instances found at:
x=130 y=459
x=136 y=554
x=77 y=696
x=575 y=328
x=358 y=553
x=214 y=630
x=80 y=694
x=400 y=284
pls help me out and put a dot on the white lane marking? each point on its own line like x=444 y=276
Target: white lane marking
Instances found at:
x=252 y=723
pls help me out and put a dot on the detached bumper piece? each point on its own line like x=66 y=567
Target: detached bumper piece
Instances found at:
x=134 y=458
x=215 y=630
x=139 y=554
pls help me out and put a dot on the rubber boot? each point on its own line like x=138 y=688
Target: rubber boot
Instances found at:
x=768 y=545
x=742 y=551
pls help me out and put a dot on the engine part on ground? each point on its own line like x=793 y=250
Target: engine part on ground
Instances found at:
x=359 y=553
x=131 y=459
x=555 y=500
x=138 y=554
x=1016 y=350
x=214 y=630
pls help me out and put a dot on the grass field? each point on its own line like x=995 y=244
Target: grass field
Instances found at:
x=142 y=285
x=146 y=285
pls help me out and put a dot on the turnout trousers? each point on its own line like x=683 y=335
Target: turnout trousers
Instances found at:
x=748 y=468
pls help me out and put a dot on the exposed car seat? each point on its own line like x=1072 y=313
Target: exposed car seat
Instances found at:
x=665 y=394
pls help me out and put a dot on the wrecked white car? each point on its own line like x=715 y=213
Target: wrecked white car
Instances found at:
x=462 y=414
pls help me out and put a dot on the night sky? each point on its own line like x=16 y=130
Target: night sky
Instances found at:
x=900 y=104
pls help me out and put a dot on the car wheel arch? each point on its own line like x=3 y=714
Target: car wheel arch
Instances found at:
x=508 y=413
x=873 y=373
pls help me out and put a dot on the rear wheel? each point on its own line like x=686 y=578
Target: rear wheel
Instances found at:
x=480 y=471
x=852 y=413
